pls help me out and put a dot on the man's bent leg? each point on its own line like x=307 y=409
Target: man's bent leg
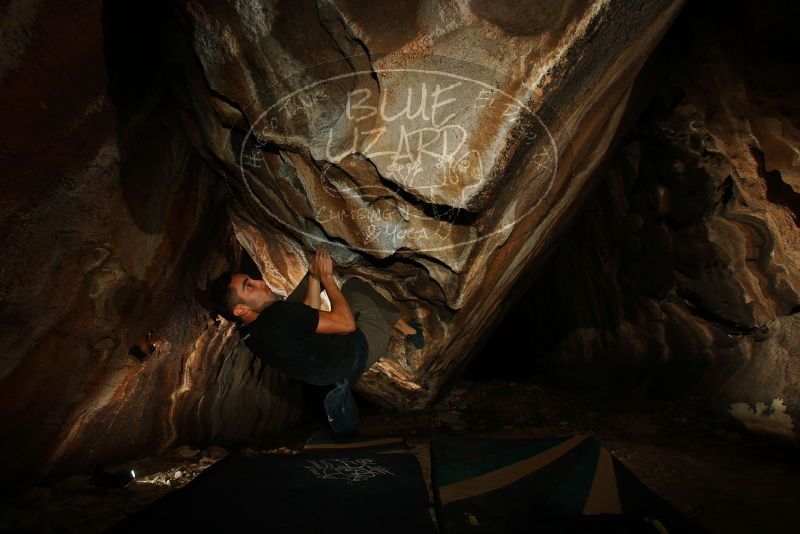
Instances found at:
x=388 y=310
x=372 y=324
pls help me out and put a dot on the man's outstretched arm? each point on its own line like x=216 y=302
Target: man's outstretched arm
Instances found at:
x=340 y=319
x=308 y=291
x=313 y=291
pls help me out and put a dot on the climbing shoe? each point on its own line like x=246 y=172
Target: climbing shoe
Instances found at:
x=416 y=338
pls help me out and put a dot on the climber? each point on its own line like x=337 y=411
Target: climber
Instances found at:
x=313 y=345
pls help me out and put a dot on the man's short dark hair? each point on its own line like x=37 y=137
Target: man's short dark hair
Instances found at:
x=224 y=297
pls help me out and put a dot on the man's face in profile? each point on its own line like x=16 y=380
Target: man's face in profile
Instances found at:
x=255 y=294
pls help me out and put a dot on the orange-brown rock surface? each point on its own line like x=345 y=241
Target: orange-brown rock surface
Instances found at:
x=445 y=149
x=441 y=146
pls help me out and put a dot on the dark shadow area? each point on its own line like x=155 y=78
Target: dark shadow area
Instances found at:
x=602 y=270
x=143 y=45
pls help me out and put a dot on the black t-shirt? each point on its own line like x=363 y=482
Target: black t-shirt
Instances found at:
x=284 y=336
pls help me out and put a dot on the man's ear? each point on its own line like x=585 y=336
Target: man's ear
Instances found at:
x=239 y=310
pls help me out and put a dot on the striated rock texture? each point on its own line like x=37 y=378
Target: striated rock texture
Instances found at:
x=442 y=146
x=108 y=215
x=683 y=272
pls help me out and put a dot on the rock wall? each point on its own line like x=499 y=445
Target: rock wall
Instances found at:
x=682 y=274
x=110 y=224
x=441 y=146
x=444 y=148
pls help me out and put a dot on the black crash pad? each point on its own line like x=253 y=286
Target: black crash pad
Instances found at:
x=367 y=485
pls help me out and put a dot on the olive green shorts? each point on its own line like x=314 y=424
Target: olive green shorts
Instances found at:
x=374 y=316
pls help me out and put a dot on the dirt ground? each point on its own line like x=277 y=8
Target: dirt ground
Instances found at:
x=718 y=476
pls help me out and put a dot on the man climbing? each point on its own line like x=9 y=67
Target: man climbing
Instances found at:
x=313 y=345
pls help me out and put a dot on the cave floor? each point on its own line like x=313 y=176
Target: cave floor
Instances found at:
x=719 y=477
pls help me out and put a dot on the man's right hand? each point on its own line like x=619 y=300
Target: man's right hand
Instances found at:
x=323 y=263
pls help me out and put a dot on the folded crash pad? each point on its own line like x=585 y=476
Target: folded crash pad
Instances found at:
x=561 y=484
